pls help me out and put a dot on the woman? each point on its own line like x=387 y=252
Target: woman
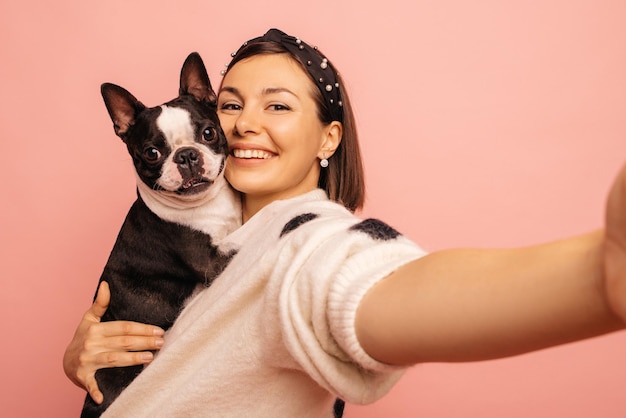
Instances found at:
x=318 y=303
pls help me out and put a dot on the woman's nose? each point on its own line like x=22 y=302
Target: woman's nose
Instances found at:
x=247 y=122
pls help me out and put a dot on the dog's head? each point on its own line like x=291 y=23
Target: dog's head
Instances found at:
x=178 y=148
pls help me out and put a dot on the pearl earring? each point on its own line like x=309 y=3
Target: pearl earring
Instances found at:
x=324 y=161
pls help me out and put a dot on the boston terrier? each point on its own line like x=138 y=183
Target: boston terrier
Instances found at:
x=169 y=242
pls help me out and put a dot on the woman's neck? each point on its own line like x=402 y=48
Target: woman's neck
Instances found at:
x=251 y=204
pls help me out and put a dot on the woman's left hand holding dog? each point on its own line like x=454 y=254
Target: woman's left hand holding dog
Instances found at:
x=97 y=345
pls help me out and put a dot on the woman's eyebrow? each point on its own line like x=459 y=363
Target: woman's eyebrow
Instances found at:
x=274 y=90
x=265 y=92
x=232 y=90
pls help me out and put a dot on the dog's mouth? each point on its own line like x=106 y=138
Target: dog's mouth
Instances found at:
x=194 y=185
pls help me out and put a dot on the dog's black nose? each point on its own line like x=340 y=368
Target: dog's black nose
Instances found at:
x=186 y=156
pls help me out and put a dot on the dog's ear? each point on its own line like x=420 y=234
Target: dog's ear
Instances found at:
x=194 y=80
x=123 y=107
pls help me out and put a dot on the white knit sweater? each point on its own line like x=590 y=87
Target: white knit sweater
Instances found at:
x=274 y=335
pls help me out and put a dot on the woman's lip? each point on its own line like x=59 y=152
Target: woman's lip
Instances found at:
x=248 y=145
x=247 y=162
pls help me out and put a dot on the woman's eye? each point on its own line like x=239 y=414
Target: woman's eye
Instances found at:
x=230 y=106
x=278 y=107
x=208 y=134
x=152 y=155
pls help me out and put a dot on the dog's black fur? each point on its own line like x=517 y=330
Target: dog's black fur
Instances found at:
x=158 y=259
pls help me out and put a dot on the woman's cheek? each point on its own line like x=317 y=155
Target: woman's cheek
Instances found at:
x=227 y=123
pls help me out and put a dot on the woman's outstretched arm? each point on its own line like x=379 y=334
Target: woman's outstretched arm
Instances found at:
x=97 y=345
x=466 y=305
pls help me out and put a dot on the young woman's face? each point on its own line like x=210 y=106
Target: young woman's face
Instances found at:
x=268 y=114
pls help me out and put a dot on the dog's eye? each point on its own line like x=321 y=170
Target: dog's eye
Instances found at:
x=152 y=155
x=208 y=134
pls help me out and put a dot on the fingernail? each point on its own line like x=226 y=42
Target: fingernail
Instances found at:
x=147 y=357
x=159 y=342
x=158 y=332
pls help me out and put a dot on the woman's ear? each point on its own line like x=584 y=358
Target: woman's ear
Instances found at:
x=332 y=138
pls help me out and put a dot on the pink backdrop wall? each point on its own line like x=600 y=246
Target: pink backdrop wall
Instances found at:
x=483 y=123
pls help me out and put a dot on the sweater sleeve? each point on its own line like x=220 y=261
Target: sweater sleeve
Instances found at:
x=318 y=306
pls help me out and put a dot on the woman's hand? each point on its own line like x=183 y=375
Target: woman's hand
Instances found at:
x=615 y=246
x=97 y=345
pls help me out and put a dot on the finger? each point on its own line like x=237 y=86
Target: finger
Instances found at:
x=134 y=343
x=94 y=390
x=123 y=359
x=103 y=297
x=130 y=329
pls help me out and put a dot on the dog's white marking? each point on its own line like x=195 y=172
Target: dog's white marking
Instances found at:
x=175 y=123
x=217 y=213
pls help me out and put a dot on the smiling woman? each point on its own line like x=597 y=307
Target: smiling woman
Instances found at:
x=321 y=83
x=320 y=304
x=280 y=122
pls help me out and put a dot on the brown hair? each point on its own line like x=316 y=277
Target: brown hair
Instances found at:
x=343 y=179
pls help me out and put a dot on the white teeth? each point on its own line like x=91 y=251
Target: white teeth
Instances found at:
x=251 y=153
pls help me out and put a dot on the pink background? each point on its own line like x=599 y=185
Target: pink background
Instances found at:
x=483 y=123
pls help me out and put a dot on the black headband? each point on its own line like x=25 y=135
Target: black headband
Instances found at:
x=315 y=63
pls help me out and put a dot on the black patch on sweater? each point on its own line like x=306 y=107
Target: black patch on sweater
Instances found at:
x=296 y=222
x=376 y=229
x=338 y=408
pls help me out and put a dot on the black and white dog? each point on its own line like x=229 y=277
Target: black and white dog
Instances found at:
x=168 y=244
